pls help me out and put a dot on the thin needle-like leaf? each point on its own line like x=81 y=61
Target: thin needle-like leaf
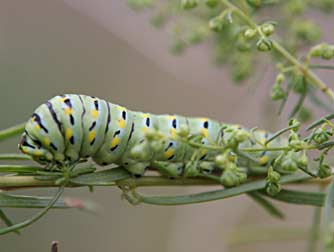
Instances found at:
x=35 y=218
x=214 y=195
x=314 y=232
x=328 y=218
x=6 y=220
x=266 y=204
x=320 y=121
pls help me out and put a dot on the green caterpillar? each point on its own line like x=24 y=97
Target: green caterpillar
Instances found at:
x=72 y=127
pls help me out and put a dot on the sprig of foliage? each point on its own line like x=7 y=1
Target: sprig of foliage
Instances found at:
x=290 y=166
x=236 y=37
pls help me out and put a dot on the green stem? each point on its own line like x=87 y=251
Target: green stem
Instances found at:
x=16 y=182
x=284 y=53
x=14 y=156
x=12 y=131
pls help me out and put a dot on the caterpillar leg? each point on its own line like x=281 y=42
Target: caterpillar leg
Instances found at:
x=168 y=169
x=135 y=167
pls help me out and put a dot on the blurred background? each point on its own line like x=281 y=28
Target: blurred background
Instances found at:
x=105 y=49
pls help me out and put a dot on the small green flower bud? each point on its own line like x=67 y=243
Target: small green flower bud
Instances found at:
x=242 y=135
x=216 y=24
x=297 y=144
x=303 y=160
x=273 y=176
x=255 y=3
x=294 y=122
x=327 y=52
x=267 y=29
x=293 y=136
x=316 y=51
x=280 y=78
x=289 y=164
x=264 y=45
x=273 y=188
x=233 y=177
x=250 y=33
x=277 y=92
x=188 y=4
x=211 y=3
x=320 y=136
x=324 y=171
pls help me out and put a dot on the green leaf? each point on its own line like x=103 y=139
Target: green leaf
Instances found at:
x=320 y=121
x=217 y=194
x=6 y=220
x=23 y=201
x=266 y=204
x=35 y=218
x=299 y=197
x=102 y=178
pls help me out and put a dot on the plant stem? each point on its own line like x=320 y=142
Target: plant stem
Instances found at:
x=12 y=131
x=314 y=80
x=14 y=156
x=16 y=182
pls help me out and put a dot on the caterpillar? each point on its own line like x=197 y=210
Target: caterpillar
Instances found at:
x=72 y=127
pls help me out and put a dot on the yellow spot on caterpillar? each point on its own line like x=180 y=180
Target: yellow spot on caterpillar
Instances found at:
x=68 y=111
x=38 y=126
x=232 y=158
x=146 y=115
x=121 y=108
x=68 y=133
x=263 y=140
x=203 y=152
x=263 y=160
x=63 y=99
x=95 y=113
x=121 y=123
x=204 y=119
x=204 y=132
x=115 y=141
x=171 y=117
x=91 y=135
x=173 y=132
x=46 y=141
x=38 y=153
x=169 y=153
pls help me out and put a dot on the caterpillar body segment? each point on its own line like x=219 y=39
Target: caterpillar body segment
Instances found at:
x=71 y=127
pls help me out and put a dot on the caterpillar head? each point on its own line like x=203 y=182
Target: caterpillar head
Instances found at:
x=34 y=149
